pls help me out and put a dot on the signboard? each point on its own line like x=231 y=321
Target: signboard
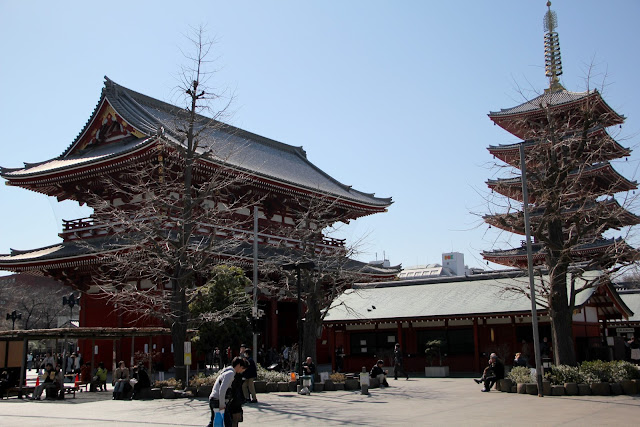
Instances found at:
x=625 y=330
x=187 y=353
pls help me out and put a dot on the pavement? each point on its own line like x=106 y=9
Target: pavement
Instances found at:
x=416 y=402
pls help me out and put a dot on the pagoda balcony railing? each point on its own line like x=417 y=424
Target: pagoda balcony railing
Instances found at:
x=89 y=227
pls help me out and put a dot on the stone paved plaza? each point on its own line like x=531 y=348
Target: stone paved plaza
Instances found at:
x=417 y=402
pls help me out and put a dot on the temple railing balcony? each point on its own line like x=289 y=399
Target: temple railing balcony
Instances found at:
x=90 y=227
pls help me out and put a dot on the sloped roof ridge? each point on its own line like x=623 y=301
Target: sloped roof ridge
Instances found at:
x=85 y=127
x=503 y=274
x=26 y=251
x=172 y=109
x=232 y=130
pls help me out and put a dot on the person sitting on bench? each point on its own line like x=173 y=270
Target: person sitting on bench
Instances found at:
x=379 y=373
x=99 y=380
x=48 y=381
x=141 y=378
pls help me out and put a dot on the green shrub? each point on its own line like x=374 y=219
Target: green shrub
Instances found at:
x=564 y=374
x=272 y=376
x=203 y=380
x=520 y=375
x=621 y=370
x=596 y=371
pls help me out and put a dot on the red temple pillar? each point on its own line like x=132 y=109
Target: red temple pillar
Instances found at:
x=514 y=336
x=332 y=347
x=400 y=336
x=273 y=322
x=476 y=346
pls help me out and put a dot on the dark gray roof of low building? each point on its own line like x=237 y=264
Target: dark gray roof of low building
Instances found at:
x=483 y=294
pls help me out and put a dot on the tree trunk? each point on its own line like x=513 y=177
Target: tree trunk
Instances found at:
x=312 y=319
x=179 y=329
x=561 y=314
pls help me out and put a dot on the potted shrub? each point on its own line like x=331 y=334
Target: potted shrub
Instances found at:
x=203 y=384
x=432 y=352
x=521 y=376
x=338 y=380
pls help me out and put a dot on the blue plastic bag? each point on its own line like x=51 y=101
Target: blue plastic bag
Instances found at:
x=218 y=420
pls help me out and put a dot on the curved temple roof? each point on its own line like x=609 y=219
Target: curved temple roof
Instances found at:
x=154 y=120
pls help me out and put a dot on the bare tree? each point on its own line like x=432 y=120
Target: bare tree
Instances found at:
x=178 y=212
x=571 y=185
x=315 y=220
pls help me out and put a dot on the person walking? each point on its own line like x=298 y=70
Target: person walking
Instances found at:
x=218 y=399
x=397 y=363
x=250 y=374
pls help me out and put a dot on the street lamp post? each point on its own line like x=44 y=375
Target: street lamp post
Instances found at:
x=13 y=316
x=297 y=266
x=71 y=301
x=532 y=288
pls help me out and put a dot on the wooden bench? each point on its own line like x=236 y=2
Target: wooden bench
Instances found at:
x=82 y=385
x=71 y=389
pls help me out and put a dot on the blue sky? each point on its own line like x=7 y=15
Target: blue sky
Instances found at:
x=390 y=97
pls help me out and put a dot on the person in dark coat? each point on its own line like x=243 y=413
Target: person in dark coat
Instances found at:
x=397 y=363
x=379 y=373
x=142 y=380
x=250 y=374
x=519 y=360
x=492 y=373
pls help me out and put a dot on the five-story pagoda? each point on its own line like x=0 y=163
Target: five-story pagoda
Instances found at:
x=571 y=187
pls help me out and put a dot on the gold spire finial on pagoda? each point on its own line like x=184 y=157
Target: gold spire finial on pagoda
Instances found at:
x=552 y=61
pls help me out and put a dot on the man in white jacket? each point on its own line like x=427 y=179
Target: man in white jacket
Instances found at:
x=217 y=398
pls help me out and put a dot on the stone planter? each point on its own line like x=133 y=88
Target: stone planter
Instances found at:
x=436 y=371
x=155 y=393
x=504 y=385
x=318 y=387
x=329 y=385
x=351 y=384
x=557 y=390
x=283 y=387
x=147 y=394
x=514 y=389
x=600 y=389
x=571 y=389
x=637 y=383
x=204 y=391
x=261 y=386
x=373 y=383
x=531 y=388
x=168 y=392
x=191 y=390
x=339 y=386
x=521 y=388
x=629 y=387
x=272 y=387
x=616 y=389
x=584 y=390
x=292 y=385
x=546 y=388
